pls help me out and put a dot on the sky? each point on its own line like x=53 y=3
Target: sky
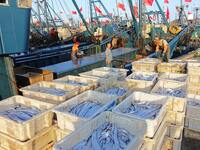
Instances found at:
x=64 y=7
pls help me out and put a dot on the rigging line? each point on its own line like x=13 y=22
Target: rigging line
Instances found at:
x=62 y=8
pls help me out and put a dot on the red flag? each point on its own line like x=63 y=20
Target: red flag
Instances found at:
x=81 y=9
x=167 y=13
x=135 y=10
x=188 y=1
x=166 y=1
x=121 y=6
x=98 y=10
x=149 y=2
x=74 y=12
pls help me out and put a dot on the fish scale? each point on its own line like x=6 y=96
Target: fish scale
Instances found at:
x=106 y=137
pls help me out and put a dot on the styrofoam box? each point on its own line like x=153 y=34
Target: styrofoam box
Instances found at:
x=119 y=84
x=27 y=129
x=71 y=91
x=152 y=125
x=137 y=129
x=175 y=118
x=70 y=121
x=174 y=76
x=38 y=142
x=91 y=83
x=142 y=84
x=173 y=67
x=193 y=68
x=174 y=131
x=171 y=144
x=146 y=65
x=156 y=142
x=193 y=111
x=122 y=73
x=175 y=103
x=192 y=123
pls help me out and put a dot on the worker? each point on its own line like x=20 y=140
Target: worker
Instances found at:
x=162 y=49
x=109 y=57
x=74 y=52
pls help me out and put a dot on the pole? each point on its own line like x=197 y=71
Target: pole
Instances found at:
x=116 y=1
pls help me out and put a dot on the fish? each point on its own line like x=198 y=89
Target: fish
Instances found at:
x=178 y=92
x=143 y=77
x=116 y=91
x=106 y=137
x=145 y=110
x=75 y=83
x=84 y=109
x=194 y=103
x=53 y=91
x=20 y=113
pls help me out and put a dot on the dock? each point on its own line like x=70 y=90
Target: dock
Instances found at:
x=89 y=62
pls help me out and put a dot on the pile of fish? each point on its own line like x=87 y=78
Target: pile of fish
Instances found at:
x=107 y=137
x=171 y=92
x=20 y=113
x=194 y=103
x=144 y=109
x=180 y=79
x=116 y=91
x=53 y=91
x=143 y=77
x=85 y=109
x=75 y=83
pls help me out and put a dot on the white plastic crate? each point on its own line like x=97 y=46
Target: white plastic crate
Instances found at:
x=33 y=91
x=147 y=85
x=102 y=77
x=173 y=67
x=156 y=142
x=83 y=83
x=193 y=68
x=27 y=129
x=136 y=129
x=41 y=141
x=175 y=118
x=119 y=84
x=193 y=106
x=174 y=131
x=60 y=134
x=174 y=76
x=194 y=79
x=122 y=73
x=176 y=102
x=171 y=144
x=152 y=124
x=192 y=124
x=193 y=88
x=69 y=121
x=146 y=65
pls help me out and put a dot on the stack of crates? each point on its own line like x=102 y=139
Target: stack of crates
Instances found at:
x=172 y=67
x=176 y=108
x=194 y=78
x=156 y=128
x=146 y=65
x=34 y=133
